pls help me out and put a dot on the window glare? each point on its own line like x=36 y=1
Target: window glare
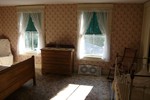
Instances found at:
x=94 y=45
x=31 y=41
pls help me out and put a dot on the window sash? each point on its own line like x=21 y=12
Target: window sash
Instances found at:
x=31 y=41
x=94 y=45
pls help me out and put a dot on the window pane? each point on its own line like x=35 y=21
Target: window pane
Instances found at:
x=94 y=45
x=31 y=41
x=35 y=40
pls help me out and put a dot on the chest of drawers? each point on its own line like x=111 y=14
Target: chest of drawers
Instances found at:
x=57 y=60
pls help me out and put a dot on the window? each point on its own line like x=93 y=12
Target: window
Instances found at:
x=30 y=24
x=31 y=36
x=93 y=38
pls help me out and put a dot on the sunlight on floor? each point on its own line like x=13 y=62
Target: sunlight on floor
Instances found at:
x=73 y=92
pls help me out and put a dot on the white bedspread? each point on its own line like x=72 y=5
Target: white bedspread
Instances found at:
x=6 y=61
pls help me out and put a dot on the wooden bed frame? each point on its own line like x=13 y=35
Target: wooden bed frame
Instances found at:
x=15 y=76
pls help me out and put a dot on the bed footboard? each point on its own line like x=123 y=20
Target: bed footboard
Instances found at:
x=15 y=76
x=133 y=85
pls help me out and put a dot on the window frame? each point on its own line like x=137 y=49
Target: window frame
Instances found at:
x=93 y=8
x=32 y=9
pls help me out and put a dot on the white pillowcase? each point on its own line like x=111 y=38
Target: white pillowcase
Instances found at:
x=4 y=47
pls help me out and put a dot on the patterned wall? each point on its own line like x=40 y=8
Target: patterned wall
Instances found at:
x=61 y=26
x=126 y=27
x=0 y=21
x=9 y=24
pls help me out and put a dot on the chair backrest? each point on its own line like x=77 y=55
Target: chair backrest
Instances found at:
x=128 y=58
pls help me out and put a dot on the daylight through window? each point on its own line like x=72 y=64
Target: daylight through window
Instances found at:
x=92 y=38
x=31 y=36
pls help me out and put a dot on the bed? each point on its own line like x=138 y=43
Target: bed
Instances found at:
x=13 y=77
x=133 y=85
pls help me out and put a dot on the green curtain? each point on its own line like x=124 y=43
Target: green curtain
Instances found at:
x=93 y=27
x=30 y=25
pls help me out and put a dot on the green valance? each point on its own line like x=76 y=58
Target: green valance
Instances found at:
x=30 y=25
x=93 y=27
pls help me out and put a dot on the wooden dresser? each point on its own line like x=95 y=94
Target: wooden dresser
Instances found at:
x=57 y=60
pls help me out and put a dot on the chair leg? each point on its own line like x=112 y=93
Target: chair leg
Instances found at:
x=109 y=74
x=34 y=81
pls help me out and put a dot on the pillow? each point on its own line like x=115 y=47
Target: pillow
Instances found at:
x=4 y=47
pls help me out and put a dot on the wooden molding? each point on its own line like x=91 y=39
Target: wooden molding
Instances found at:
x=95 y=6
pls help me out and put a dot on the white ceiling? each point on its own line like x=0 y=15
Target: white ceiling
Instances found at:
x=34 y=2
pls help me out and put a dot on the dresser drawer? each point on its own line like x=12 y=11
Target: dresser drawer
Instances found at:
x=57 y=61
x=50 y=59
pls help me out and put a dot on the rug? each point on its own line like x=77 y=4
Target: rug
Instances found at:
x=48 y=86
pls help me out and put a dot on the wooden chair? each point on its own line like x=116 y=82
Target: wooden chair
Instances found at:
x=125 y=62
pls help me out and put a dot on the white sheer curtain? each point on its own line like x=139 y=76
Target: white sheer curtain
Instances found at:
x=36 y=18
x=103 y=25
x=84 y=22
x=23 y=21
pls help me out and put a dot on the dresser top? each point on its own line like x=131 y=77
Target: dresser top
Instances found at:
x=60 y=49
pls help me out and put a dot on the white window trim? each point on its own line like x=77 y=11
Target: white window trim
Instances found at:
x=30 y=9
x=92 y=59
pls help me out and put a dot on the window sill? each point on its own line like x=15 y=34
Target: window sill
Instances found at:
x=92 y=59
x=31 y=53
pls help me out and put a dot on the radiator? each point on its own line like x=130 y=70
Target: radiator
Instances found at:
x=87 y=69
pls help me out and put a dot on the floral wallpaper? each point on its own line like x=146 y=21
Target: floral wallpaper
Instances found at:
x=60 y=26
x=9 y=24
x=0 y=22
x=126 y=27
